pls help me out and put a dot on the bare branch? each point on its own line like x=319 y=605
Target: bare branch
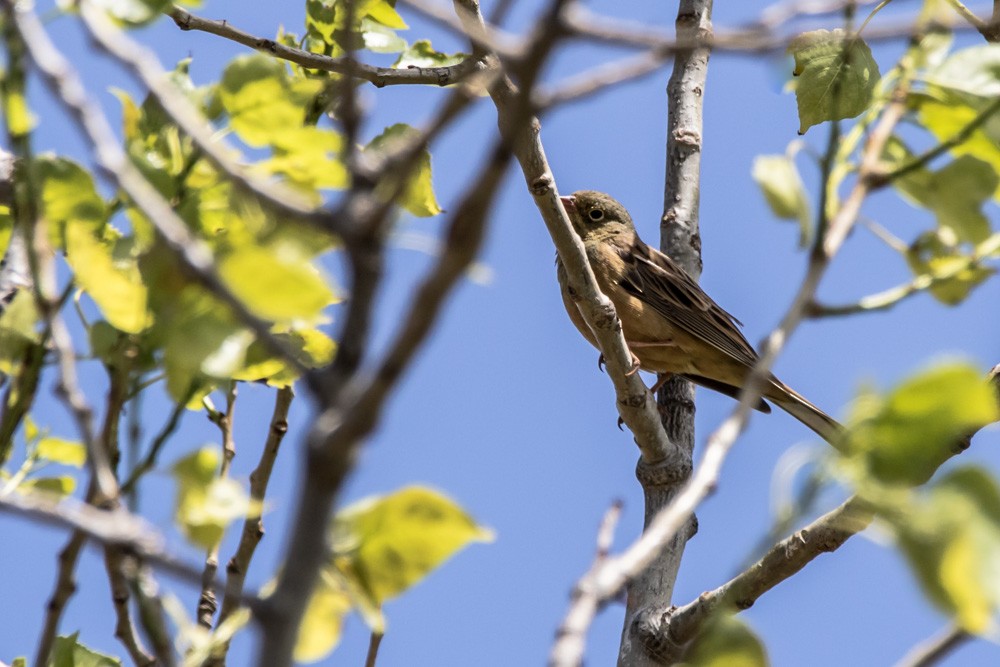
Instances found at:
x=339 y=429
x=571 y=636
x=64 y=589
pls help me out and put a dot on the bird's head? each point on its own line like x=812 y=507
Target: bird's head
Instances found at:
x=596 y=215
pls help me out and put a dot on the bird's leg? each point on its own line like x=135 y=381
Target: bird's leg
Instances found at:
x=632 y=371
x=661 y=379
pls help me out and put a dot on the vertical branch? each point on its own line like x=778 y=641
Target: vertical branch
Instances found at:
x=64 y=589
x=207 y=603
x=652 y=591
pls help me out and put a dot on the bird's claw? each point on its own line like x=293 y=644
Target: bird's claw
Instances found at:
x=600 y=361
x=635 y=365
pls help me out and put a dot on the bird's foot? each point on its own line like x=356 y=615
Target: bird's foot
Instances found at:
x=601 y=363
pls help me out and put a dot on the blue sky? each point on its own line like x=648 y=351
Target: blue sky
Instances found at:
x=505 y=410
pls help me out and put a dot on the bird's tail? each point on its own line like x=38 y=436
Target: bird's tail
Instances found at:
x=799 y=407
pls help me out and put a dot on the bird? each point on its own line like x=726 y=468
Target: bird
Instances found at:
x=672 y=326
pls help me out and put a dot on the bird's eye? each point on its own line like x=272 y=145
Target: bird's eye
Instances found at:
x=596 y=214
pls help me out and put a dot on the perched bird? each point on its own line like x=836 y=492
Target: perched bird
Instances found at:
x=671 y=325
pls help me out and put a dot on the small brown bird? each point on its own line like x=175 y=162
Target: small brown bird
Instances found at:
x=671 y=325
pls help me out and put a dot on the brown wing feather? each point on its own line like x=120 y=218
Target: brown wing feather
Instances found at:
x=659 y=282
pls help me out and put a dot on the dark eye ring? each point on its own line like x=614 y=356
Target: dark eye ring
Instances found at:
x=596 y=214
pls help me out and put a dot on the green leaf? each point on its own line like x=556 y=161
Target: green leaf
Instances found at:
x=782 y=187
x=20 y=661
x=394 y=541
x=133 y=12
x=275 y=287
x=20 y=120
x=66 y=452
x=206 y=503
x=726 y=642
x=422 y=54
x=381 y=39
x=67 y=651
x=109 y=273
x=262 y=101
x=17 y=330
x=902 y=438
x=418 y=195
x=61 y=486
x=323 y=621
x=312 y=347
x=975 y=70
x=836 y=76
x=930 y=256
x=950 y=535
x=68 y=195
x=384 y=11
x=308 y=158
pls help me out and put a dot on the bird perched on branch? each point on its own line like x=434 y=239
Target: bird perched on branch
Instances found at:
x=671 y=325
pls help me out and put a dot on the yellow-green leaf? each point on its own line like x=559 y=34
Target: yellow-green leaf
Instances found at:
x=727 y=642
x=66 y=452
x=930 y=256
x=836 y=76
x=417 y=195
x=275 y=287
x=422 y=54
x=109 y=273
x=782 y=186
x=205 y=503
x=385 y=13
x=902 y=438
x=133 y=12
x=950 y=535
x=68 y=195
x=67 y=651
x=323 y=621
x=63 y=485
x=396 y=540
x=312 y=347
x=17 y=330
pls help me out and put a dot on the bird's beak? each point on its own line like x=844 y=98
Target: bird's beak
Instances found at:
x=569 y=203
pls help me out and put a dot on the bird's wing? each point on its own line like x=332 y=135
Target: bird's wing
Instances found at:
x=660 y=283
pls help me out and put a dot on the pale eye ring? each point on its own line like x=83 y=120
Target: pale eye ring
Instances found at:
x=596 y=214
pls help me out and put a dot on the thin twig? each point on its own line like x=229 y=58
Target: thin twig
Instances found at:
x=64 y=589
x=373 y=643
x=149 y=461
x=935 y=649
x=379 y=76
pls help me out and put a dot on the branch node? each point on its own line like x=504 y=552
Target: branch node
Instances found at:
x=665 y=472
x=649 y=629
x=541 y=185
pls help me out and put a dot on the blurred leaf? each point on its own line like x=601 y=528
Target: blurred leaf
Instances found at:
x=69 y=652
x=418 y=194
x=62 y=486
x=782 y=187
x=312 y=347
x=68 y=195
x=950 y=534
x=17 y=330
x=726 y=642
x=133 y=12
x=904 y=437
x=379 y=38
x=109 y=273
x=422 y=54
x=308 y=158
x=206 y=503
x=323 y=621
x=836 y=76
x=384 y=11
x=274 y=287
x=20 y=120
x=396 y=540
x=262 y=101
x=974 y=70
x=66 y=452
x=929 y=255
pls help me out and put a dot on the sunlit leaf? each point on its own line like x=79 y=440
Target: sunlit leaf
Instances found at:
x=379 y=38
x=418 y=195
x=323 y=621
x=836 y=76
x=67 y=651
x=396 y=540
x=133 y=12
x=68 y=195
x=274 y=287
x=930 y=256
x=384 y=11
x=950 y=535
x=903 y=437
x=312 y=347
x=783 y=188
x=17 y=330
x=726 y=641
x=109 y=273
x=206 y=503
x=63 y=485
x=66 y=452
x=422 y=54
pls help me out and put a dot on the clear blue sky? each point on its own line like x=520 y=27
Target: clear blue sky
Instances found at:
x=505 y=409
